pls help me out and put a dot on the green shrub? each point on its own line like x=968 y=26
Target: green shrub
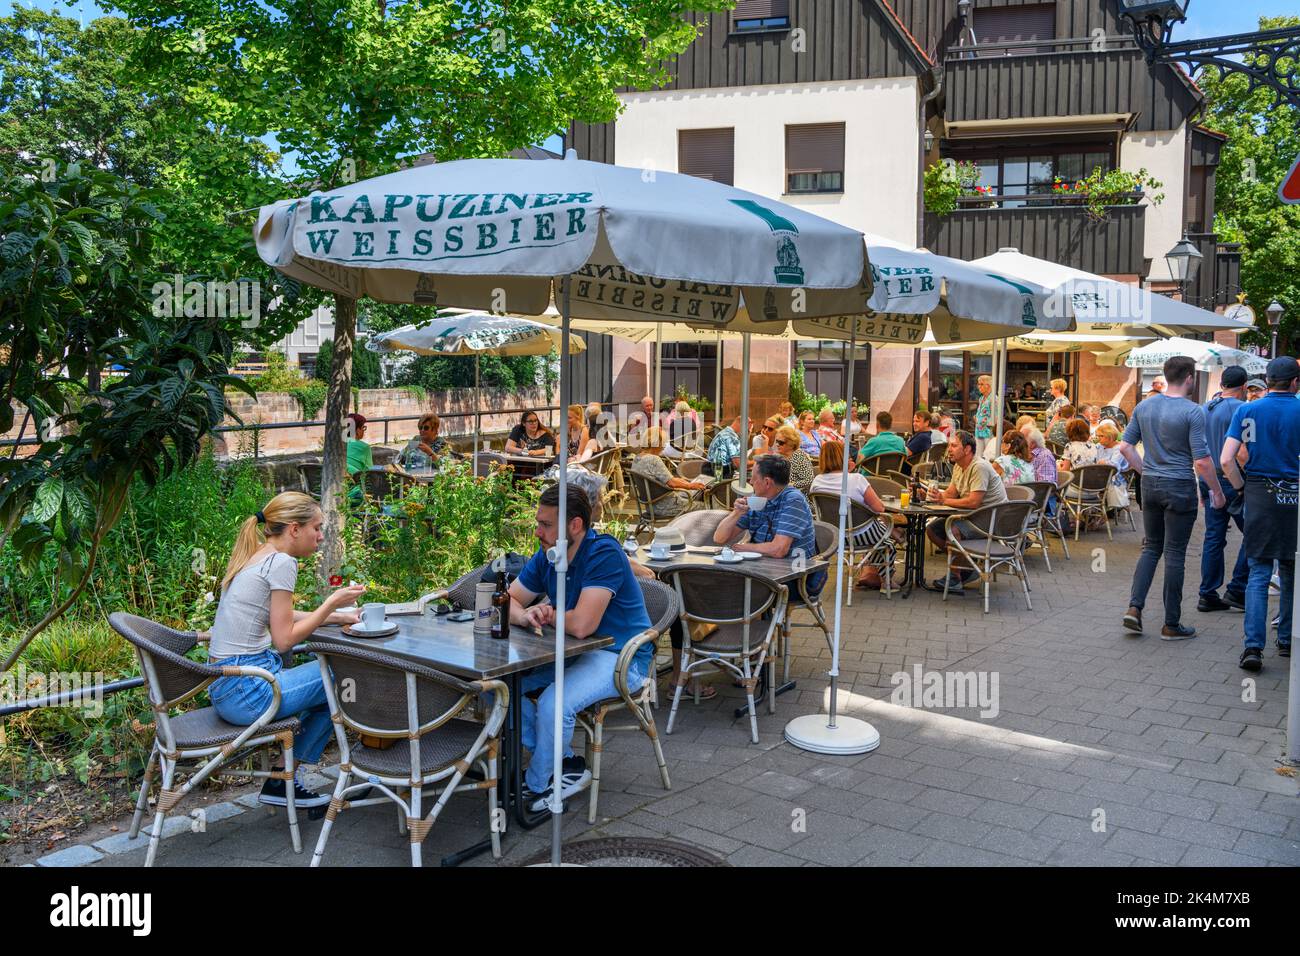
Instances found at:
x=365 y=365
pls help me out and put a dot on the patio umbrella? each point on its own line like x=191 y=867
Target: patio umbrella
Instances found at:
x=608 y=242
x=1103 y=305
x=476 y=334
x=1206 y=355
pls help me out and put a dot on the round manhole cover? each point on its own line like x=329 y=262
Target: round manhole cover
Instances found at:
x=629 y=851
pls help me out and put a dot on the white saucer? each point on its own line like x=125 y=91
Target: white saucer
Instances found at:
x=749 y=555
x=734 y=559
x=362 y=629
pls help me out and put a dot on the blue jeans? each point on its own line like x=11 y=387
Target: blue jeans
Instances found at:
x=241 y=700
x=1261 y=570
x=1169 y=507
x=1216 y=539
x=588 y=678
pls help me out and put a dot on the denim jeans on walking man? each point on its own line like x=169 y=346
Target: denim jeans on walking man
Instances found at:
x=241 y=700
x=1216 y=539
x=1169 y=507
x=1261 y=572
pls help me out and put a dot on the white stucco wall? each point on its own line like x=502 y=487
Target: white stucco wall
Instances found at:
x=1163 y=155
x=880 y=142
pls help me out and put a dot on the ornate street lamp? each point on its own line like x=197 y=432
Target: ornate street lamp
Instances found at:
x=1266 y=50
x=1274 y=313
x=1184 y=262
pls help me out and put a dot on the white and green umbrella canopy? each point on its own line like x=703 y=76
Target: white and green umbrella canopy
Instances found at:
x=606 y=242
x=1206 y=355
x=475 y=333
x=1104 y=306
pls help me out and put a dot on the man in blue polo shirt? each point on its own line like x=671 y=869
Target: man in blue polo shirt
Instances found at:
x=783 y=528
x=602 y=597
x=1269 y=432
x=1218 y=416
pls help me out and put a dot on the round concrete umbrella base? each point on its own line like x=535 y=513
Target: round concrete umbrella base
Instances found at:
x=849 y=735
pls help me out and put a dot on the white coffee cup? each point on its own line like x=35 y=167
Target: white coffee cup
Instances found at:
x=756 y=502
x=727 y=554
x=372 y=616
x=658 y=550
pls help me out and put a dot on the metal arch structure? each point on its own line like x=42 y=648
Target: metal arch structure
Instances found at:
x=1263 y=52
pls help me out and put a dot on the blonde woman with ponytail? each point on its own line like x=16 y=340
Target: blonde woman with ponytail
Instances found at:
x=256 y=622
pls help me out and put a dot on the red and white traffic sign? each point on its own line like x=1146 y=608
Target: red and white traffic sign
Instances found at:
x=1289 y=191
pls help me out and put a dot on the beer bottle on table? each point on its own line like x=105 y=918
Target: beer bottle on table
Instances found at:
x=500 y=608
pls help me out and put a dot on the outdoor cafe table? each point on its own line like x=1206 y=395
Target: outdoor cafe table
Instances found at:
x=777 y=570
x=455 y=648
x=918 y=515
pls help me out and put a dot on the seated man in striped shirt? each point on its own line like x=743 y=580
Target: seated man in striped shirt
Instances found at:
x=783 y=528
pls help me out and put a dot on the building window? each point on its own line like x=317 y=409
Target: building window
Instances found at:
x=752 y=15
x=814 y=158
x=1021 y=171
x=1007 y=27
x=707 y=153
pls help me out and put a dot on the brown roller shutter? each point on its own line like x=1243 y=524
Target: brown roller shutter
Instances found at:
x=760 y=9
x=708 y=154
x=1010 y=24
x=814 y=148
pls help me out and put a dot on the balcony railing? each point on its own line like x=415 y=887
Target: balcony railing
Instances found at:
x=1034 y=47
x=1043 y=228
x=1041 y=200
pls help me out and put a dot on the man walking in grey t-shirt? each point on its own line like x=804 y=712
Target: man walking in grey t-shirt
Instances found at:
x=1172 y=431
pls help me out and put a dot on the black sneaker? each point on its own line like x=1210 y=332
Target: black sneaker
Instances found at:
x=574 y=777
x=1212 y=602
x=273 y=794
x=1251 y=659
x=1233 y=599
x=955 y=585
x=1284 y=650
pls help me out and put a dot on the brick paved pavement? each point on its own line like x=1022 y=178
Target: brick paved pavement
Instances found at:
x=1107 y=749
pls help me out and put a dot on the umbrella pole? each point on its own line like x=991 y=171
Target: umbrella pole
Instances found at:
x=659 y=363
x=812 y=732
x=744 y=409
x=1000 y=390
x=478 y=413
x=1293 y=692
x=717 y=386
x=560 y=558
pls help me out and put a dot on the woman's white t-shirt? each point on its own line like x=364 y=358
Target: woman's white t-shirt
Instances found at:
x=831 y=484
x=243 y=618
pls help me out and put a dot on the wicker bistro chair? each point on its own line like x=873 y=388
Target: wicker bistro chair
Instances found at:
x=688 y=468
x=826 y=507
x=747 y=610
x=661 y=604
x=199 y=736
x=1000 y=543
x=646 y=493
x=1041 y=524
x=697 y=527
x=1086 y=495
x=882 y=463
x=309 y=473
x=402 y=700
x=800 y=597
x=607 y=464
x=460 y=594
x=883 y=485
x=1019 y=493
x=486 y=460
